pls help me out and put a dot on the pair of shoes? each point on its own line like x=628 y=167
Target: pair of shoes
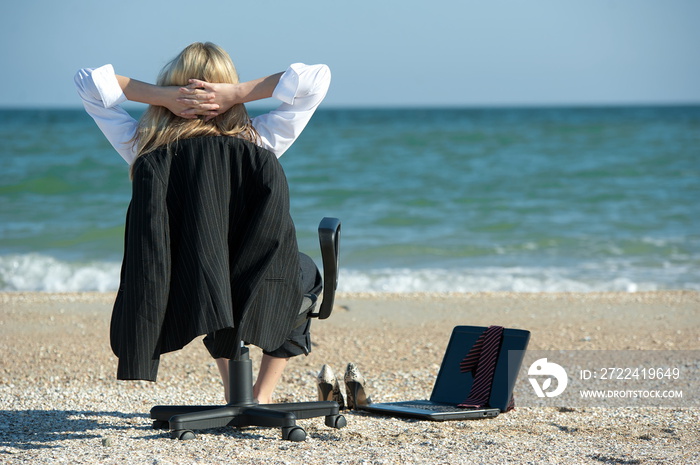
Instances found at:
x=329 y=388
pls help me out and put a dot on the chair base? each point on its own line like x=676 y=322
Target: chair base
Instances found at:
x=242 y=411
x=182 y=420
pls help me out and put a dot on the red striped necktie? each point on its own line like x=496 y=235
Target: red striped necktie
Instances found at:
x=481 y=361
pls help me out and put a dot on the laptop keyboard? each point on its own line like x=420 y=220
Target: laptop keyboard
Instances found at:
x=429 y=407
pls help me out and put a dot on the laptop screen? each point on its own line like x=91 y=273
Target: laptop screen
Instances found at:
x=452 y=386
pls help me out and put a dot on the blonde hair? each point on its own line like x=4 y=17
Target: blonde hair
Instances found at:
x=207 y=62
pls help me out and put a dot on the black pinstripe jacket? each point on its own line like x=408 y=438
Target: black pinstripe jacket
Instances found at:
x=209 y=244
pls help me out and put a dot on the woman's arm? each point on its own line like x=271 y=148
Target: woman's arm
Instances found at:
x=102 y=91
x=217 y=98
x=101 y=95
x=165 y=96
x=301 y=88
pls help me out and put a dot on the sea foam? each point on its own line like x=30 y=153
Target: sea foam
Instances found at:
x=35 y=272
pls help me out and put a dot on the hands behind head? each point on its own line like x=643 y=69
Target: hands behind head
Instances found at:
x=201 y=98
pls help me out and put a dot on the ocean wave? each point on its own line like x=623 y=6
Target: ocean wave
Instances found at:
x=35 y=272
x=482 y=280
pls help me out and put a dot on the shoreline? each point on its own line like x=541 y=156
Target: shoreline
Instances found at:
x=63 y=403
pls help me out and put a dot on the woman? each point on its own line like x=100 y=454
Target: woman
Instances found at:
x=198 y=94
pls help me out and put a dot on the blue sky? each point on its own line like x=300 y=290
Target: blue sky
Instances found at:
x=381 y=53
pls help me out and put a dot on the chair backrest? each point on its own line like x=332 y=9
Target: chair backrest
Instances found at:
x=329 y=237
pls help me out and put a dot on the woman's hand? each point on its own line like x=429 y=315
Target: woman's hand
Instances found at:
x=201 y=98
x=169 y=97
x=211 y=99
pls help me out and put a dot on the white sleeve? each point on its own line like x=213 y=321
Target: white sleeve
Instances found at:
x=101 y=95
x=301 y=89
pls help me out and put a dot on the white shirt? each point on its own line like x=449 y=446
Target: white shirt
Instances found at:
x=300 y=89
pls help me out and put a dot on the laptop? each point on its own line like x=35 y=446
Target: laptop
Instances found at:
x=452 y=386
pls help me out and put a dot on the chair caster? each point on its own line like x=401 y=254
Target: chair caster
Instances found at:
x=160 y=424
x=293 y=433
x=182 y=435
x=336 y=421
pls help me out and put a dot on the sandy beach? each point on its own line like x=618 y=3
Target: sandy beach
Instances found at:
x=61 y=402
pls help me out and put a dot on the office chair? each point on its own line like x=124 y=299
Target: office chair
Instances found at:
x=242 y=410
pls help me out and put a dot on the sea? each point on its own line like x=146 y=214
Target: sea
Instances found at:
x=557 y=199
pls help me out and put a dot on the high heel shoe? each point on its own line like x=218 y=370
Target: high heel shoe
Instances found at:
x=354 y=387
x=328 y=387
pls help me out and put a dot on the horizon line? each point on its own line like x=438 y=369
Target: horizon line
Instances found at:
x=436 y=106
